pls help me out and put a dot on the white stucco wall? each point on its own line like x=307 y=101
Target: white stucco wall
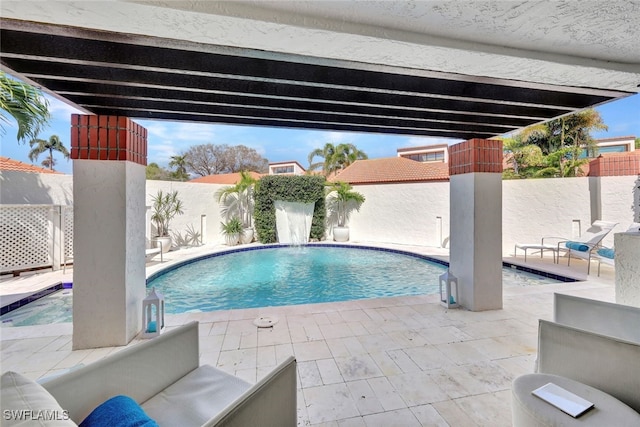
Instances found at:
x=402 y=213
x=543 y=207
x=18 y=188
x=198 y=200
x=395 y=213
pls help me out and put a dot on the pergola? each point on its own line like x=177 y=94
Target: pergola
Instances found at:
x=454 y=69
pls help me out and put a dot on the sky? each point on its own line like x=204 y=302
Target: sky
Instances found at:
x=166 y=139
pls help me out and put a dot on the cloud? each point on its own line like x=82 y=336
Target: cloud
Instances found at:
x=59 y=109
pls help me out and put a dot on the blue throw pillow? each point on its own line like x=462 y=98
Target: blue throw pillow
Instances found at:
x=119 y=411
x=577 y=246
x=606 y=252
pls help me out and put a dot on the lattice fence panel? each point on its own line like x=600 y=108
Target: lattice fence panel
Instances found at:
x=67 y=224
x=27 y=237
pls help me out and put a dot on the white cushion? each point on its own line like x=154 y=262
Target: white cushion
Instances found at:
x=195 y=398
x=27 y=403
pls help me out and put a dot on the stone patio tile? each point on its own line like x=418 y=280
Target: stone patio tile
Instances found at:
x=461 y=353
x=364 y=397
x=427 y=415
x=416 y=388
x=352 y=422
x=329 y=403
x=357 y=367
x=238 y=359
x=490 y=409
x=357 y=315
x=444 y=335
x=311 y=350
x=397 y=418
x=403 y=361
x=387 y=395
x=279 y=334
x=329 y=371
x=309 y=374
x=212 y=343
x=219 y=328
x=283 y=351
x=428 y=357
x=386 y=364
x=335 y=330
x=378 y=342
x=266 y=356
x=408 y=338
x=453 y=414
x=357 y=328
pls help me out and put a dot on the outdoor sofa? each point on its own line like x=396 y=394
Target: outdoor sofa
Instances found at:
x=164 y=377
x=591 y=348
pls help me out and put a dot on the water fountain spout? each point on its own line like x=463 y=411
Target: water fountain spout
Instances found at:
x=293 y=221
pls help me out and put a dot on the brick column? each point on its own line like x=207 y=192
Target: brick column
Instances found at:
x=109 y=157
x=475 y=169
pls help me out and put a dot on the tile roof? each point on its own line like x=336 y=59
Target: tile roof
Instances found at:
x=224 y=178
x=392 y=169
x=7 y=164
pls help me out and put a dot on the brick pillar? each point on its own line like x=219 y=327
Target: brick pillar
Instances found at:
x=475 y=169
x=109 y=157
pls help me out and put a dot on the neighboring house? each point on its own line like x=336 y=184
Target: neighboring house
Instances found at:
x=426 y=153
x=392 y=170
x=224 y=178
x=286 y=168
x=619 y=144
x=7 y=164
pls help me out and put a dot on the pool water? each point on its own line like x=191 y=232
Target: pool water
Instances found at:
x=54 y=308
x=276 y=277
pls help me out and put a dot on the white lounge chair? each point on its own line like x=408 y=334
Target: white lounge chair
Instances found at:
x=585 y=246
x=582 y=245
x=607 y=255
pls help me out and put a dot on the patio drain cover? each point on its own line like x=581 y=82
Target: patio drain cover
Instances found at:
x=265 y=322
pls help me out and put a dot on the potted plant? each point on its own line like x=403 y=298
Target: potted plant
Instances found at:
x=165 y=207
x=232 y=230
x=239 y=198
x=342 y=200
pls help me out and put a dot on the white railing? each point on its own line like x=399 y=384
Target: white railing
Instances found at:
x=35 y=236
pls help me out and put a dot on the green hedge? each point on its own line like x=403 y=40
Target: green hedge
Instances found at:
x=288 y=188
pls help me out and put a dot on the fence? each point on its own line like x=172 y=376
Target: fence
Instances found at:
x=35 y=236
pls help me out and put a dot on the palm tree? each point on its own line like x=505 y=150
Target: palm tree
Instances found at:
x=25 y=104
x=180 y=163
x=39 y=146
x=336 y=157
x=572 y=130
x=242 y=195
x=341 y=195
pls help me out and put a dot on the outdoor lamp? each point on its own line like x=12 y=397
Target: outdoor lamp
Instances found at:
x=152 y=314
x=449 y=290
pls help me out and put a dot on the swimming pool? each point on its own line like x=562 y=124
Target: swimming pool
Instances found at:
x=263 y=276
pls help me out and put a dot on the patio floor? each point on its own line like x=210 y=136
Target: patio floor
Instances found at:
x=404 y=361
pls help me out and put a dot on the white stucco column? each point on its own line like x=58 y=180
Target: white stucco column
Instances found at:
x=627 y=266
x=109 y=157
x=475 y=169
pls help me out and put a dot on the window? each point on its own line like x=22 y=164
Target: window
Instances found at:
x=435 y=156
x=283 y=169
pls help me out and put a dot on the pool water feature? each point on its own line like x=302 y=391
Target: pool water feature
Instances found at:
x=274 y=276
